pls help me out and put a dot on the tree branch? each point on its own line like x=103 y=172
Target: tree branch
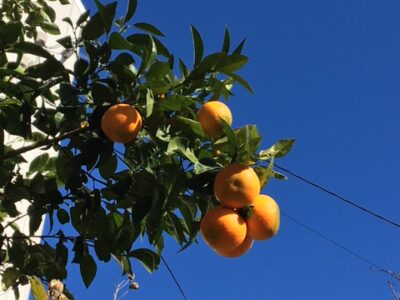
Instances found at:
x=39 y=144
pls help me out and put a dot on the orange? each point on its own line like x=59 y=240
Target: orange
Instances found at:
x=223 y=229
x=236 y=186
x=238 y=251
x=264 y=220
x=121 y=123
x=209 y=116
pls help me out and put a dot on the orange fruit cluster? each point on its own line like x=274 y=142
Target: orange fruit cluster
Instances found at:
x=121 y=123
x=225 y=228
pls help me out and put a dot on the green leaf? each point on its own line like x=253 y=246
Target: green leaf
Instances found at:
x=178 y=102
x=227 y=41
x=37 y=185
x=103 y=250
x=39 y=163
x=239 y=48
x=130 y=11
x=124 y=263
x=45 y=70
x=231 y=139
x=248 y=140
x=82 y=18
x=278 y=175
x=88 y=269
x=66 y=42
x=178 y=230
x=190 y=125
x=10 y=277
x=49 y=11
x=107 y=169
x=241 y=81
x=35 y=218
x=148 y=28
x=180 y=145
x=149 y=56
x=93 y=28
x=61 y=252
x=62 y=216
x=183 y=68
x=158 y=70
x=232 y=63
x=149 y=259
x=197 y=46
x=107 y=13
x=101 y=93
x=118 y=42
x=149 y=103
x=205 y=165
x=10 y=32
x=51 y=28
x=279 y=149
x=208 y=64
x=264 y=174
x=30 y=48
x=38 y=291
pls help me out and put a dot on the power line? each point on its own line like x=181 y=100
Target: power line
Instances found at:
x=173 y=277
x=337 y=244
x=336 y=195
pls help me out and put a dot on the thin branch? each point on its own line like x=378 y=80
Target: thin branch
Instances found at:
x=118 y=288
x=39 y=144
x=395 y=294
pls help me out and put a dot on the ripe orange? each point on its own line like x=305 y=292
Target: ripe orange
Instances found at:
x=264 y=220
x=121 y=123
x=223 y=229
x=209 y=116
x=238 y=251
x=236 y=185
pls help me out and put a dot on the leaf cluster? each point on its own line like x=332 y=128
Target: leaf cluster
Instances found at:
x=158 y=185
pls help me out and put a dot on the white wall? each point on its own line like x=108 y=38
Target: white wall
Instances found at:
x=72 y=11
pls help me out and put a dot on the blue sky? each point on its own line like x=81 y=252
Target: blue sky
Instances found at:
x=326 y=73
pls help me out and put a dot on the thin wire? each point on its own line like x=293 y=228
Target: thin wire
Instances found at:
x=337 y=244
x=336 y=195
x=173 y=277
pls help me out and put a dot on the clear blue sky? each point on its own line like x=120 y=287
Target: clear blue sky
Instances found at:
x=326 y=73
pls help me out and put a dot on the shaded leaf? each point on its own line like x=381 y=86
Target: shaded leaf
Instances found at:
x=39 y=163
x=30 y=48
x=239 y=48
x=241 y=81
x=181 y=145
x=9 y=277
x=148 y=28
x=130 y=10
x=231 y=63
x=198 y=47
x=82 y=18
x=62 y=216
x=88 y=269
x=148 y=258
x=227 y=41
x=192 y=125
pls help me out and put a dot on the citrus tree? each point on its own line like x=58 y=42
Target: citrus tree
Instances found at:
x=143 y=146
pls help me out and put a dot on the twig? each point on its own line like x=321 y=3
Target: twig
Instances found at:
x=119 y=287
x=395 y=294
x=39 y=144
